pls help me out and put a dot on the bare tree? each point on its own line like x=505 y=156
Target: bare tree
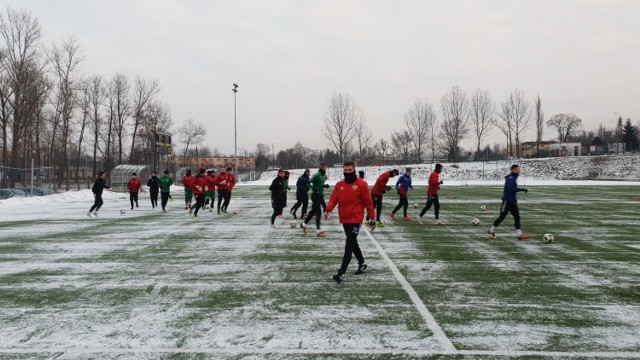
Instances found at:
x=482 y=116
x=383 y=148
x=401 y=142
x=143 y=93
x=455 y=121
x=341 y=118
x=419 y=119
x=66 y=60
x=191 y=133
x=157 y=118
x=539 y=123
x=567 y=125
x=19 y=62
x=516 y=119
x=98 y=95
x=363 y=139
x=84 y=104
x=119 y=110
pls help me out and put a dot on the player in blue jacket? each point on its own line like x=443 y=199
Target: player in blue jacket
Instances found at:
x=402 y=187
x=510 y=203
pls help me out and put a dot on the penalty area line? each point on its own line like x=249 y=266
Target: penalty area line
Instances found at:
x=432 y=324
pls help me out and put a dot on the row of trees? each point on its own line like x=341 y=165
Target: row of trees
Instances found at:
x=439 y=133
x=56 y=115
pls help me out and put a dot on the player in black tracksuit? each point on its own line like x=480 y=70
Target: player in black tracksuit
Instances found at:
x=510 y=204
x=302 y=196
x=154 y=189
x=97 y=189
x=277 y=198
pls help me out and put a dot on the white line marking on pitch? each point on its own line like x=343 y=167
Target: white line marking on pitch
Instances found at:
x=236 y=352
x=439 y=335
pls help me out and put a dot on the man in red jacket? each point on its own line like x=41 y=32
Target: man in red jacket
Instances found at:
x=432 y=195
x=352 y=196
x=199 y=186
x=188 y=191
x=134 y=186
x=221 y=184
x=231 y=182
x=379 y=188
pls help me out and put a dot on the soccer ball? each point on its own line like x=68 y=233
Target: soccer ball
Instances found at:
x=122 y=212
x=475 y=222
x=416 y=205
x=293 y=224
x=548 y=238
x=236 y=211
x=483 y=208
x=384 y=221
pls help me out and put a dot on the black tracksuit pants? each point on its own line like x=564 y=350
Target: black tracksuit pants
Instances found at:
x=404 y=204
x=133 y=197
x=506 y=208
x=278 y=204
x=351 y=247
x=432 y=200
x=317 y=202
x=199 y=203
x=301 y=199
x=377 y=203
x=153 y=194
x=164 y=197
x=97 y=203
x=221 y=197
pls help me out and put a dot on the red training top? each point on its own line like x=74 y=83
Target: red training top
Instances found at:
x=134 y=185
x=211 y=183
x=231 y=181
x=434 y=184
x=187 y=180
x=378 y=187
x=221 y=181
x=351 y=200
x=198 y=184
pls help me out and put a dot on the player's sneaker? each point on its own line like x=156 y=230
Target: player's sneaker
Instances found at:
x=492 y=235
x=190 y=211
x=439 y=222
x=273 y=226
x=164 y=211
x=95 y=213
x=321 y=234
x=224 y=211
x=210 y=210
x=419 y=220
x=131 y=207
x=136 y=204
x=294 y=215
x=304 y=228
x=392 y=216
x=361 y=269
x=406 y=218
x=380 y=224
x=195 y=215
x=338 y=278
x=523 y=237
x=186 y=208
x=89 y=213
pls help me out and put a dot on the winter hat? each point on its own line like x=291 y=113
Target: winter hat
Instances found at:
x=202 y=170
x=395 y=172
x=134 y=174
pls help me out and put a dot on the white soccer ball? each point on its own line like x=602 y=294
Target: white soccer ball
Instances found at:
x=384 y=221
x=483 y=208
x=293 y=224
x=548 y=238
x=122 y=211
x=416 y=205
x=236 y=211
x=475 y=221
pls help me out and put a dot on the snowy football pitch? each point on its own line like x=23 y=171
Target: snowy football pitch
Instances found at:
x=152 y=285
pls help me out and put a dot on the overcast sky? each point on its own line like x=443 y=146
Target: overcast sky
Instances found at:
x=289 y=57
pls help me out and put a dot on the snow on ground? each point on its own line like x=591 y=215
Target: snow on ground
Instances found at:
x=143 y=281
x=582 y=170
